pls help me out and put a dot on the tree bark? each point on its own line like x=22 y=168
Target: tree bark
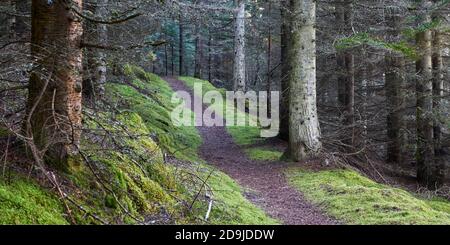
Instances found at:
x=54 y=100
x=181 y=46
x=22 y=22
x=95 y=77
x=172 y=58
x=438 y=95
x=428 y=173
x=304 y=130
x=395 y=83
x=284 y=107
x=239 y=47
x=209 y=57
x=346 y=70
x=198 y=55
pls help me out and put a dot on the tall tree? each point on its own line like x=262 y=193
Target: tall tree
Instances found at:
x=395 y=85
x=239 y=47
x=304 y=130
x=346 y=70
x=181 y=46
x=438 y=90
x=284 y=107
x=198 y=54
x=427 y=170
x=95 y=77
x=54 y=100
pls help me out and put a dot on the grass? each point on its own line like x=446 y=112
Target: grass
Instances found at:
x=355 y=199
x=262 y=154
x=24 y=202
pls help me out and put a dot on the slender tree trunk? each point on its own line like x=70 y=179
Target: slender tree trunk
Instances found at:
x=438 y=94
x=95 y=73
x=427 y=171
x=239 y=47
x=166 y=61
x=395 y=83
x=172 y=57
x=269 y=54
x=269 y=59
x=346 y=70
x=54 y=100
x=198 y=55
x=181 y=46
x=284 y=107
x=304 y=131
x=209 y=57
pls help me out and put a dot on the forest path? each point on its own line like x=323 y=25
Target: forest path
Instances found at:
x=268 y=186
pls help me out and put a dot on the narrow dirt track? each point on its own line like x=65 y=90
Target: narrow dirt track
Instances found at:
x=265 y=180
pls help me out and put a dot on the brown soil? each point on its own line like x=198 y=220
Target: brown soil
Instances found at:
x=265 y=181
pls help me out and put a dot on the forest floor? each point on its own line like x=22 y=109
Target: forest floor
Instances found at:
x=265 y=181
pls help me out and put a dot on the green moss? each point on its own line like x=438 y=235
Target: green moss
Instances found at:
x=355 y=199
x=245 y=135
x=150 y=97
x=134 y=172
x=24 y=202
x=261 y=154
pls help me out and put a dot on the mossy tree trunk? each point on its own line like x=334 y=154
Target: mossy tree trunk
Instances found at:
x=304 y=130
x=55 y=90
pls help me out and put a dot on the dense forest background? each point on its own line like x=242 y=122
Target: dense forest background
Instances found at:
x=85 y=102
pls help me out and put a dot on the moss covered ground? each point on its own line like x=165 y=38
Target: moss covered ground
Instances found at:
x=355 y=199
x=24 y=202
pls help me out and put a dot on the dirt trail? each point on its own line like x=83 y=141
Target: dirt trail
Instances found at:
x=268 y=185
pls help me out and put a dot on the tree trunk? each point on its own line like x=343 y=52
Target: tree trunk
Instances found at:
x=209 y=57
x=172 y=57
x=346 y=70
x=284 y=107
x=239 y=47
x=166 y=61
x=438 y=95
x=95 y=73
x=181 y=47
x=22 y=22
x=198 y=56
x=395 y=83
x=304 y=131
x=427 y=171
x=54 y=100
